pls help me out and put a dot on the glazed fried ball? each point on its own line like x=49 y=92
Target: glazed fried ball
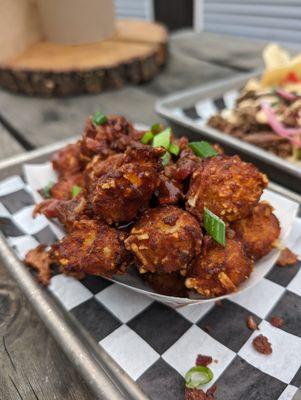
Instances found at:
x=67 y=161
x=125 y=191
x=98 y=167
x=94 y=248
x=165 y=239
x=227 y=186
x=219 y=270
x=258 y=231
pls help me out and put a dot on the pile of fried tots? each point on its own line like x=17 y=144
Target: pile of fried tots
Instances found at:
x=125 y=203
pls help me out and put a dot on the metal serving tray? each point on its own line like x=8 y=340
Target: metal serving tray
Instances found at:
x=180 y=109
x=103 y=375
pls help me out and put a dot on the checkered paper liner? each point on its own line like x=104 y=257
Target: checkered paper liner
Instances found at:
x=156 y=344
x=203 y=109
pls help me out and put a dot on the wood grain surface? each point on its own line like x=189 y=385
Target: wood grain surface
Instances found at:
x=32 y=365
x=133 y=54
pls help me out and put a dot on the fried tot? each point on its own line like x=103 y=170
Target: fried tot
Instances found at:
x=219 y=270
x=229 y=187
x=258 y=231
x=94 y=248
x=165 y=239
x=125 y=191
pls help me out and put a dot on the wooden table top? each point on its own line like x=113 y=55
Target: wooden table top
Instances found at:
x=33 y=365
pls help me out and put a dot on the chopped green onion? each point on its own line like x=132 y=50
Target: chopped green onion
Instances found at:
x=202 y=149
x=75 y=190
x=215 y=227
x=47 y=190
x=174 y=149
x=99 y=118
x=147 y=137
x=162 y=139
x=156 y=128
x=198 y=376
x=165 y=159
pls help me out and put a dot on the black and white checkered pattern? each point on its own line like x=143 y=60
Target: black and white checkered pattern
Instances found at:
x=200 y=112
x=156 y=344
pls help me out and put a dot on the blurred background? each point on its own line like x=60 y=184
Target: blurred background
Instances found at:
x=276 y=20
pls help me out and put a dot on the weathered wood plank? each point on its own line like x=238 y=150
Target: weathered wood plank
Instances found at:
x=33 y=367
x=224 y=50
x=43 y=121
x=184 y=71
x=8 y=145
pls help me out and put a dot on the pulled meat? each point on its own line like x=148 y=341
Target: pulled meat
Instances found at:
x=40 y=260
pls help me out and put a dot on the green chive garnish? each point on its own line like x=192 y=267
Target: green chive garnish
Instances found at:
x=165 y=159
x=202 y=149
x=198 y=376
x=174 y=149
x=215 y=227
x=75 y=190
x=99 y=118
x=147 y=137
x=162 y=139
x=156 y=128
x=47 y=190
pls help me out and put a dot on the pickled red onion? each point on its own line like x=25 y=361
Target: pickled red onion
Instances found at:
x=290 y=133
x=286 y=95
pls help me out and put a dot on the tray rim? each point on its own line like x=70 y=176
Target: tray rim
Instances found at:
x=162 y=107
x=101 y=373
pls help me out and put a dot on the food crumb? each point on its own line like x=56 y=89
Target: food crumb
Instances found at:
x=199 y=394
x=251 y=324
x=287 y=257
x=207 y=328
x=262 y=345
x=203 y=360
x=277 y=322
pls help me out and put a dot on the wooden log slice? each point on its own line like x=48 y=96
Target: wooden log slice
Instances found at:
x=134 y=54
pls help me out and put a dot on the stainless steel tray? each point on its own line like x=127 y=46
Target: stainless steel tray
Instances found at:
x=175 y=108
x=105 y=378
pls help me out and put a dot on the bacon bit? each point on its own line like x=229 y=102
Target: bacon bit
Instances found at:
x=277 y=322
x=251 y=324
x=203 y=360
x=262 y=345
x=40 y=261
x=287 y=257
x=207 y=328
x=199 y=394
